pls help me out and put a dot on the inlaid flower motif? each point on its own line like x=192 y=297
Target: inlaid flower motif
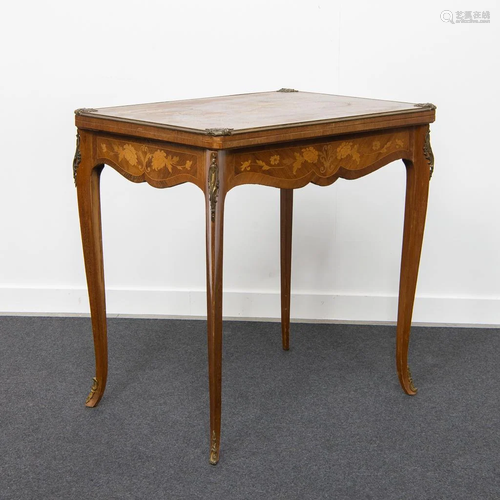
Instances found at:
x=158 y=160
x=347 y=149
x=376 y=145
x=310 y=155
x=129 y=154
x=103 y=147
x=274 y=160
x=399 y=143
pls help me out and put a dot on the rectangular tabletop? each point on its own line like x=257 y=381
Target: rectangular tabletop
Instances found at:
x=246 y=119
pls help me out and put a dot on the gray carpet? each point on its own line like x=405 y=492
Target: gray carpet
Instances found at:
x=325 y=420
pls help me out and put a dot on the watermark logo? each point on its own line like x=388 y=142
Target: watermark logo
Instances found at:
x=465 y=16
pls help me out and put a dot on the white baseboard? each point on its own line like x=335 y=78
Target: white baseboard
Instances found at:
x=253 y=305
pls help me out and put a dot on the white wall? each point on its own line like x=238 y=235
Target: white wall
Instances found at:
x=59 y=55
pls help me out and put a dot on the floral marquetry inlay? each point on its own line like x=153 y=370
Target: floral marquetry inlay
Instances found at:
x=147 y=160
x=324 y=159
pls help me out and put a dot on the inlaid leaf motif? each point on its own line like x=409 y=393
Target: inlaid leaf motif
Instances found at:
x=245 y=165
x=299 y=159
x=343 y=150
x=171 y=161
x=144 y=155
x=263 y=164
x=328 y=158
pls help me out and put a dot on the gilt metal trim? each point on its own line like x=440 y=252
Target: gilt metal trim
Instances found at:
x=80 y=111
x=412 y=387
x=427 y=105
x=219 y=131
x=429 y=155
x=214 y=455
x=286 y=90
x=95 y=385
x=213 y=185
x=78 y=157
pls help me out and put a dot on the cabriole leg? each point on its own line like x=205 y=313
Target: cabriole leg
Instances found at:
x=87 y=180
x=417 y=189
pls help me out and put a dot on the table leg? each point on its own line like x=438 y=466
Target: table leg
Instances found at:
x=215 y=224
x=87 y=182
x=286 y=196
x=417 y=190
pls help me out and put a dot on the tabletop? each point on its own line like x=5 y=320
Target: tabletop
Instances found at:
x=278 y=115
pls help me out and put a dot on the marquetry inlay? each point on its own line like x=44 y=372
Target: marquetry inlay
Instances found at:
x=324 y=158
x=149 y=161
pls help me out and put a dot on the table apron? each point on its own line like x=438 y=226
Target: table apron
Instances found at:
x=285 y=165
x=320 y=161
x=159 y=164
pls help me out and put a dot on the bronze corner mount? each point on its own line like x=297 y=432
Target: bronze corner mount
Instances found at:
x=78 y=157
x=286 y=90
x=426 y=105
x=213 y=184
x=81 y=111
x=219 y=131
x=429 y=155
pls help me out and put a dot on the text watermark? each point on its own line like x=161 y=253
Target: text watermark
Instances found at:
x=465 y=16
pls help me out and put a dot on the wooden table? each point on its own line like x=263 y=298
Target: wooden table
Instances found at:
x=283 y=139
